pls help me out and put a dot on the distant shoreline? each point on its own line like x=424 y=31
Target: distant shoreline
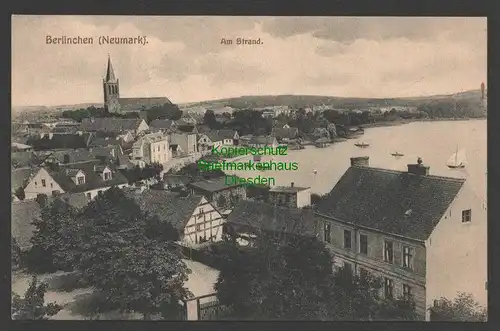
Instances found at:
x=401 y=122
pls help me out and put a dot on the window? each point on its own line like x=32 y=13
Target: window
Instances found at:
x=348 y=268
x=36 y=184
x=407 y=257
x=99 y=192
x=363 y=244
x=89 y=196
x=51 y=185
x=407 y=292
x=44 y=184
x=81 y=180
x=107 y=175
x=466 y=216
x=328 y=232
x=198 y=227
x=388 y=288
x=347 y=239
x=388 y=251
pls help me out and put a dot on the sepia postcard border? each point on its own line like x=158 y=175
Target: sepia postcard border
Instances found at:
x=262 y=8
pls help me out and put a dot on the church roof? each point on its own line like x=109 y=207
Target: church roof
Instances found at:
x=110 y=73
x=136 y=104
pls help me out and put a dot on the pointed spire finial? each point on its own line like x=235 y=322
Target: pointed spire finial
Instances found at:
x=110 y=73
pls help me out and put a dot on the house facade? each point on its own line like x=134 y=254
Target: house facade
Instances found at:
x=411 y=229
x=290 y=196
x=195 y=219
x=151 y=148
x=219 y=193
x=263 y=141
x=89 y=178
x=186 y=141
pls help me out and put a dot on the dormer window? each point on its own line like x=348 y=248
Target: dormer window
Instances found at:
x=80 y=180
x=106 y=175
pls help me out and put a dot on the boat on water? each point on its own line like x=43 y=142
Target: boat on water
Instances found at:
x=361 y=144
x=457 y=160
x=397 y=154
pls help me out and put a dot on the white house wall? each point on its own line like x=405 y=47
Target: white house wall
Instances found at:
x=34 y=187
x=457 y=252
x=204 y=222
x=304 y=198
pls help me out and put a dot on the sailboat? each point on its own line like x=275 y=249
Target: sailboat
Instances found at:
x=361 y=144
x=397 y=154
x=457 y=160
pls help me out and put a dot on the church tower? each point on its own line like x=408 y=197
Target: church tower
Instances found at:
x=111 y=88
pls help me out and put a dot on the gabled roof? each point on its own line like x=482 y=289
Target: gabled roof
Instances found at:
x=176 y=180
x=260 y=215
x=92 y=179
x=61 y=140
x=213 y=185
x=110 y=124
x=162 y=124
x=168 y=206
x=22 y=214
x=226 y=134
x=380 y=198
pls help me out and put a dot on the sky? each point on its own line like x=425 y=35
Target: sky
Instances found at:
x=185 y=61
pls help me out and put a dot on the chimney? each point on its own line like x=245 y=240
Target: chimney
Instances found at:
x=360 y=161
x=92 y=120
x=418 y=169
x=293 y=184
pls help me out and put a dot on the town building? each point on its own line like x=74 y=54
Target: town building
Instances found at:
x=196 y=220
x=423 y=235
x=218 y=192
x=113 y=103
x=285 y=134
x=151 y=148
x=250 y=218
x=114 y=125
x=186 y=141
x=89 y=178
x=167 y=126
x=290 y=196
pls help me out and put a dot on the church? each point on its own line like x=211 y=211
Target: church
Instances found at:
x=114 y=104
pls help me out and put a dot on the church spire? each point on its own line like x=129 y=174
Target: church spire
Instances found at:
x=110 y=74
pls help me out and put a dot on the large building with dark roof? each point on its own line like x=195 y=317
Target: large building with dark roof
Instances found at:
x=195 y=219
x=423 y=235
x=114 y=104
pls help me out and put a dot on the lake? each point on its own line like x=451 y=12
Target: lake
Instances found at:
x=433 y=141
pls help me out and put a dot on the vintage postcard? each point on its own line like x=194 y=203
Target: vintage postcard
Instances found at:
x=249 y=168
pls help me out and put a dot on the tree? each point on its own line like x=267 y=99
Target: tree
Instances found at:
x=357 y=297
x=119 y=255
x=209 y=119
x=20 y=193
x=280 y=279
x=166 y=111
x=32 y=306
x=15 y=253
x=462 y=309
x=332 y=129
x=47 y=238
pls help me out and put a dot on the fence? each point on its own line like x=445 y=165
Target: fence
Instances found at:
x=205 y=307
